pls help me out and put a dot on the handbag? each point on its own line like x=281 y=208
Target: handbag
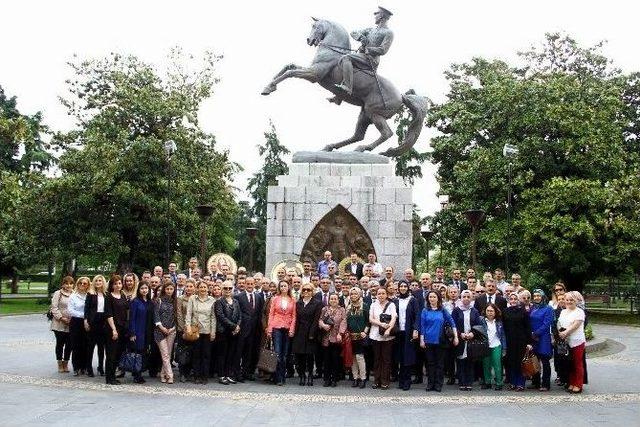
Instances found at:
x=327 y=320
x=530 y=364
x=194 y=335
x=386 y=318
x=183 y=354
x=478 y=348
x=562 y=349
x=131 y=361
x=268 y=360
x=50 y=313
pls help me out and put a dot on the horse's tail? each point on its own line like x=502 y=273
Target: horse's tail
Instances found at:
x=418 y=106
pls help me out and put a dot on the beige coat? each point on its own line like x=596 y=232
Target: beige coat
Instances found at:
x=59 y=303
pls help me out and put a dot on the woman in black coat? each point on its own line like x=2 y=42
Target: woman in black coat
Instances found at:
x=407 y=336
x=228 y=318
x=305 y=339
x=517 y=328
x=96 y=323
x=465 y=317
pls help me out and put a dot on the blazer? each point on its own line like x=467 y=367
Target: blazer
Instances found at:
x=97 y=321
x=541 y=320
x=412 y=323
x=482 y=302
x=279 y=318
x=339 y=327
x=251 y=314
x=499 y=332
x=139 y=314
x=359 y=269
x=458 y=318
x=306 y=339
x=228 y=316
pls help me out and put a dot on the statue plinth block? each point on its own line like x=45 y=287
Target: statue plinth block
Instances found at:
x=326 y=203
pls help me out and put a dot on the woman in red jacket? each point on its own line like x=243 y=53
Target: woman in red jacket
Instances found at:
x=281 y=326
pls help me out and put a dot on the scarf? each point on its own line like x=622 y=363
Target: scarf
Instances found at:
x=543 y=302
x=461 y=305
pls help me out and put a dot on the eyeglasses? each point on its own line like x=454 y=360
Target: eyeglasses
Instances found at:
x=558 y=290
x=227 y=289
x=306 y=290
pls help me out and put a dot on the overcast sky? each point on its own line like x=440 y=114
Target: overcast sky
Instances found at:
x=257 y=38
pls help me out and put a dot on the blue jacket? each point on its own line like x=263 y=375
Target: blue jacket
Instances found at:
x=541 y=319
x=431 y=324
x=499 y=331
x=139 y=312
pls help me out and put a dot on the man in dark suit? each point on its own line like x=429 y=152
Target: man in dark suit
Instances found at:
x=193 y=265
x=354 y=267
x=456 y=280
x=490 y=296
x=251 y=305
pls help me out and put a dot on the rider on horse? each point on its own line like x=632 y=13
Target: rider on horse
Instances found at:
x=375 y=42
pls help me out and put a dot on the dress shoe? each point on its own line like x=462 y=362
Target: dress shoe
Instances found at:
x=375 y=386
x=485 y=387
x=326 y=383
x=356 y=383
x=239 y=380
x=204 y=381
x=90 y=373
x=113 y=382
x=363 y=383
x=101 y=371
x=303 y=380
x=139 y=380
x=417 y=381
x=182 y=379
x=76 y=373
x=498 y=388
x=334 y=384
x=223 y=381
x=231 y=380
x=310 y=380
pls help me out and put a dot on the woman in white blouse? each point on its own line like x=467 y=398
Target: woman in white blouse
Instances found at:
x=382 y=316
x=571 y=329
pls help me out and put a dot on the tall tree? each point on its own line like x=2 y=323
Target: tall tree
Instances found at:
x=273 y=165
x=569 y=113
x=24 y=157
x=111 y=198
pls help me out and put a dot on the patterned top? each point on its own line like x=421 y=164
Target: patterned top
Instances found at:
x=163 y=314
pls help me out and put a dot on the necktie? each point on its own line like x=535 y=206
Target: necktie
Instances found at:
x=251 y=300
x=324 y=299
x=490 y=299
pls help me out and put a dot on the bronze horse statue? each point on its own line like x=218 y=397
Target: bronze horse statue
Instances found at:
x=378 y=97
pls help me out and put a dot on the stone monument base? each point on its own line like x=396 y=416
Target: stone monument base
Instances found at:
x=342 y=202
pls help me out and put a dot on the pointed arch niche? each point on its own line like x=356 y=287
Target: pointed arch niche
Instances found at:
x=339 y=232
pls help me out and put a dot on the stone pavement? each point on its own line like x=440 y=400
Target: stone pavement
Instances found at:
x=32 y=392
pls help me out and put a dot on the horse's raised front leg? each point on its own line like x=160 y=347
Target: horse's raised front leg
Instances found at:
x=361 y=129
x=385 y=133
x=299 y=73
x=271 y=87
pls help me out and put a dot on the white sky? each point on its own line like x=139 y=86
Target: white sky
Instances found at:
x=258 y=38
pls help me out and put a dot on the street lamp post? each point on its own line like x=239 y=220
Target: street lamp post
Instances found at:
x=251 y=232
x=204 y=211
x=444 y=202
x=427 y=235
x=475 y=218
x=169 y=149
x=508 y=151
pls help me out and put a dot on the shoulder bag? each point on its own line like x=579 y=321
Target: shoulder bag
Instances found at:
x=530 y=364
x=268 y=360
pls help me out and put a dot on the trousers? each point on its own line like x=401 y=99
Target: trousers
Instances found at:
x=165 y=346
x=493 y=362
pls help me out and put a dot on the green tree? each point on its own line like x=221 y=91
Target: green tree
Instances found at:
x=408 y=165
x=24 y=157
x=272 y=153
x=111 y=197
x=569 y=113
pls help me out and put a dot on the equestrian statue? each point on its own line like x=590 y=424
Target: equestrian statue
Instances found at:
x=351 y=75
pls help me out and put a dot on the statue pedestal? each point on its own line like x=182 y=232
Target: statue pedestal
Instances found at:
x=327 y=204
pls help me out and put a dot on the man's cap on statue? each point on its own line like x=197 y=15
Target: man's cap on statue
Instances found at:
x=384 y=11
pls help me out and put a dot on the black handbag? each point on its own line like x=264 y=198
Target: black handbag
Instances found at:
x=562 y=349
x=478 y=346
x=386 y=318
x=327 y=320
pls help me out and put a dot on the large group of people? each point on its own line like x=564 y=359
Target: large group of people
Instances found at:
x=364 y=324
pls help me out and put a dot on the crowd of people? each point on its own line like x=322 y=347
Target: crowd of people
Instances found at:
x=363 y=324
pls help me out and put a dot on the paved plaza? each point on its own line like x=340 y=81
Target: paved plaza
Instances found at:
x=32 y=392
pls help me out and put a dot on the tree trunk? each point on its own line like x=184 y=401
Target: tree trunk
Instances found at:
x=14 y=282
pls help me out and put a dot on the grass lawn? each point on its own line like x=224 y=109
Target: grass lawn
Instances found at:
x=19 y=306
x=619 y=319
x=24 y=287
